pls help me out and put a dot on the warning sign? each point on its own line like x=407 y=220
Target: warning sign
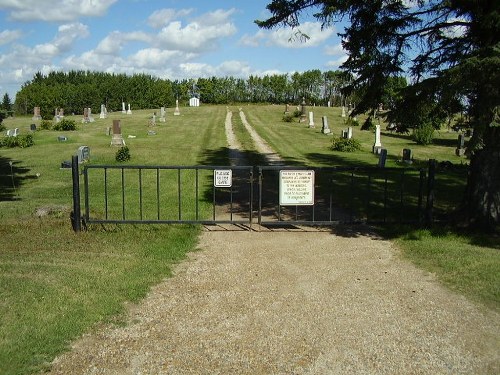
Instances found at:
x=223 y=177
x=296 y=188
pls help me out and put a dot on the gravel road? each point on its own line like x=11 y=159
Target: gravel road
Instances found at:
x=294 y=302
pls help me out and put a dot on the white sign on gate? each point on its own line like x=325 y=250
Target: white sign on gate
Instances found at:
x=296 y=188
x=223 y=177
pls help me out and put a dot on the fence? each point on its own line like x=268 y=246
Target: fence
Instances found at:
x=283 y=195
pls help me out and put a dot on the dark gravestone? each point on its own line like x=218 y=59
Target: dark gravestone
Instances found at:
x=66 y=164
x=407 y=157
x=382 y=158
x=33 y=127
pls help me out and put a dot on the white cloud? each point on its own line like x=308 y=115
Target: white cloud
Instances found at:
x=290 y=38
x=335 y=50
x=8 y=36
x=163 y=17
x=54 y=10
x=334 y=64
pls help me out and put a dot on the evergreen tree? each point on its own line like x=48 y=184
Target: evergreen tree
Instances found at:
x=6 y=103
x=453 y=50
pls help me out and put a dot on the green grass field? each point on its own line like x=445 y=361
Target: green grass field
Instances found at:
x=56 y=284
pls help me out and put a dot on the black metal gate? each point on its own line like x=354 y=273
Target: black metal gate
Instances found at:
x=228 y=194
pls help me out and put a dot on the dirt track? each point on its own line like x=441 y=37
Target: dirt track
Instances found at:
x=295 y=302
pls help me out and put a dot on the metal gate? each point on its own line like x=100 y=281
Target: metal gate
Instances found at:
x=280 y=195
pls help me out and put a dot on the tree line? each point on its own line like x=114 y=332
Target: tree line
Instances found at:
x=75 y=90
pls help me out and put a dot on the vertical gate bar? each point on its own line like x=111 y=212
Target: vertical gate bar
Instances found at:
x=231 y=203
x=385 y=195
x=368 y=197
x=401 y=201
x=158 y=193
x=420 y=195
x=296 y=213
x=75 y=173
x=251 y=196
x=123 y=194
x=140 y=192
x=179 y=190
x=196 y=194
x=106 y=191
x=213 y=202
x=351 y=198
x=331 y=208
x=86 y=192
x=259 y=214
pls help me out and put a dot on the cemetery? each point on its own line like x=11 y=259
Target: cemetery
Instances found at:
x=194 y=137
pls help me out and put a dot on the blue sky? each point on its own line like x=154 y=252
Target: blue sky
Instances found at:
x=171 y=39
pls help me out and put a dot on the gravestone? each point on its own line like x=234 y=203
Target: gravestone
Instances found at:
x=33 y=127
x=104 y=112
x=407 y=156
x=377 y=146
x=57 y=118
x=129 y=111
x=123 y=108
x=66 y=164
x=311 y=120
x=325 y=129
x=36 y=114
x=460 y=151
x=153 y=119
x=303 y=110
x=287 y=109
x=83 y=154
x=382 y=158
x=16 y=132
x=343 y=133
x=176 y=111
x=329 y=104
x=151 y=132
x=62 y=138
x=162 y=114
x=349 y=132
x=117 y=138
x=343 y=111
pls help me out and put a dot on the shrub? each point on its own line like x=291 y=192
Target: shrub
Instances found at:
x=424 y=134
x=287 y=118
x=123 y=154
x=22 y=141
x=46 y=125
x=297 y=113
x=352 y=121
x=65 y=125
x=345 y=145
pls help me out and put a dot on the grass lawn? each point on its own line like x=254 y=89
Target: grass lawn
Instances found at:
x=57 y=284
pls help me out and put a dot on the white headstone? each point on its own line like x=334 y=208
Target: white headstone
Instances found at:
x=129 y=112
x=349 y=132
x=311 y=119
x=194 y=102
x=103 y=113
x=162 y=114
x=343 y=111
x=123 y=108
x=377 y=146
x=83 y=154
x=176 y=111
x=325 y=129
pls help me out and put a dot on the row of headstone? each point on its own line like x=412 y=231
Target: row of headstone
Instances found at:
x=128 y=111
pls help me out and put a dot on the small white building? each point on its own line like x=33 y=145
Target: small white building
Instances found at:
x=194 y=102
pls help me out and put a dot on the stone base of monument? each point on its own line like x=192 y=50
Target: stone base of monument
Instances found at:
x=117 y=140
x=376 y=149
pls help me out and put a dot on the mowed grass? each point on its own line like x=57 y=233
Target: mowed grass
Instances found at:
x=56 y=285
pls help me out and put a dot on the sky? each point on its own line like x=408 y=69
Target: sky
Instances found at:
x=169 y=39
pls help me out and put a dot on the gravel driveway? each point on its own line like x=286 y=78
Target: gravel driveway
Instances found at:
x=294 y=302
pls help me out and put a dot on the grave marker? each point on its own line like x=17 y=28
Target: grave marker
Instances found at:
x=83 y=154
x=407 y=156
x=176 y=111
x=129 y=111
x=162 y=114
x=33 y=127
x=117 y=138
x=36 y=114
x=377 y=146
x=325 y=129
x=123 y=108
x=104 y=112
x=460 y=150
x=194 y=102
x=382 y=158
x=303 y=110
x=311 y=119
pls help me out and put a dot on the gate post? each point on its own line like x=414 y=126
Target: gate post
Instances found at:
x=76 y=217
x=430 y=192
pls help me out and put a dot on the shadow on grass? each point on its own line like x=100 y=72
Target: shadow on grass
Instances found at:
x=12 y=176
